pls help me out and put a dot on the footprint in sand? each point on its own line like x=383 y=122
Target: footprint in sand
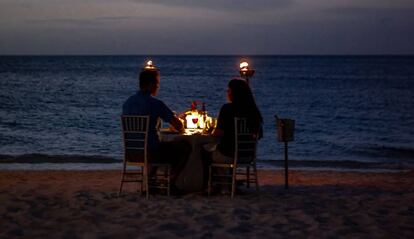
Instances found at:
x=242 y=228
x=13 y=209
x=16 y=232
x=241 y=214
x=178 y=229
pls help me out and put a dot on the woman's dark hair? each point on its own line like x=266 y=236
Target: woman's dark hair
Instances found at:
x=244 y=103
x=147 y=77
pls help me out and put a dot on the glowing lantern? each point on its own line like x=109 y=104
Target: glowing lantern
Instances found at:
x=244 y=66
x=198 y=120
x=195 y=120
x=245 y=71
x=149 y=65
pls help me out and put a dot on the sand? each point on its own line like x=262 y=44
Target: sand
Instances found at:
x=319 y=204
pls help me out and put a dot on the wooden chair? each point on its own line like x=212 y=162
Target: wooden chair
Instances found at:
x=244 y=158
x=136 y=167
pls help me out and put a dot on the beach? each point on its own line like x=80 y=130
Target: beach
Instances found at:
x=318 y=204
x=325 y=90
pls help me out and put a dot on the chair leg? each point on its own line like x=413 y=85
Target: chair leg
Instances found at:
x=233 y=182
x=209 y=181
x=146 y=181
x=168 y=180
x=122 y=180
x=120 y=188
x=256 y=179
x=142 y=181
x=248 y=176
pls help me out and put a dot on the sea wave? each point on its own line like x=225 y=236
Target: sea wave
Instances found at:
x=338 y=164
x=99 y=162
x=45 y=158
x=380 y=151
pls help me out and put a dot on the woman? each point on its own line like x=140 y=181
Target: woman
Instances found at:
x=241 y=104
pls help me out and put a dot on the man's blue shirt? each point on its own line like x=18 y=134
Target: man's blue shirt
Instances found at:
x=142 y=103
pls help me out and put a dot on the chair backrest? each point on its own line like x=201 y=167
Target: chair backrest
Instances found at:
x=245 y=142
x=135 y=137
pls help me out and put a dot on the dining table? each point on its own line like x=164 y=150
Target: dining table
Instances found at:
x=192 y=176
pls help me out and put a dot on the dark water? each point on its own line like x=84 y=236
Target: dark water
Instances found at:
x=346 y=108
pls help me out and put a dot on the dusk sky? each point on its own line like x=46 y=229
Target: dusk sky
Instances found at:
x=221 y=27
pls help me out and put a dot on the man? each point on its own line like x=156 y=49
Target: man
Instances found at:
x=143 y=102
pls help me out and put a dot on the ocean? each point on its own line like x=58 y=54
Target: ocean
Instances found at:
x=347 y=108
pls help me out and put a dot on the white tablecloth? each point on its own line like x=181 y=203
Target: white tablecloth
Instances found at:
x=191 y=178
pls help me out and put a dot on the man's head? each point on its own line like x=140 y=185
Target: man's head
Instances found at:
x=149 y=80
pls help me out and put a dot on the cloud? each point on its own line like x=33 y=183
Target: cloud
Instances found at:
x=369 y=11
x=65 y=22
x=97 y=21
x=395 y=17
x=206 y=27
x=224 y=5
